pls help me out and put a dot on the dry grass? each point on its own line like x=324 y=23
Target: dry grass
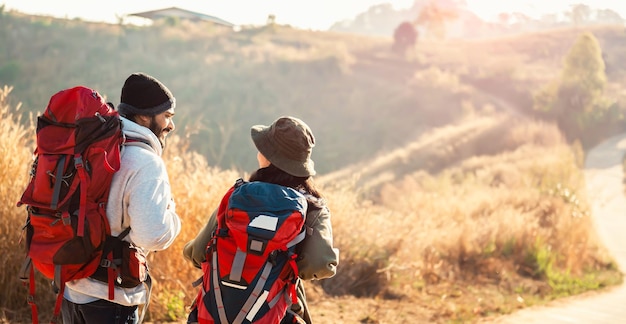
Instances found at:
x=478 y=237
x=466 y=242
x=15 y=153
x=492 y=207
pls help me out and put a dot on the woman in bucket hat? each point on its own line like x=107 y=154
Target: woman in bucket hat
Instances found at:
x=284 y=157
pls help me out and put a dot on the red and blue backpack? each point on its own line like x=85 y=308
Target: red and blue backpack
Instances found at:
x=250 y=272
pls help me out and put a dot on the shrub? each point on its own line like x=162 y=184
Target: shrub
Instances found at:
x=404 y=37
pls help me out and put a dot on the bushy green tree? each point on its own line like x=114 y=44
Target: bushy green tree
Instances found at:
x=577 y=100
x=583 y=79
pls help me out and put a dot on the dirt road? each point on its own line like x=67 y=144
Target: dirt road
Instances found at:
x=604 y=177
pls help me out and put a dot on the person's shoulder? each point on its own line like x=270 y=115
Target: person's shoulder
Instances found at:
x=315 y=204
x=310 y=199
x=140 y=158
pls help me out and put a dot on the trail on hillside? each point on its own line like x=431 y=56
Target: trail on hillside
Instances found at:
x=384 y=168
x=411 y=156
x=604 y=176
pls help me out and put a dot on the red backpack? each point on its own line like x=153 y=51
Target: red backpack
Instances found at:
x=78 y=151
x=250 y=272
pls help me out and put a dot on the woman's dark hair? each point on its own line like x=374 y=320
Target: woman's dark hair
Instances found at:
x=274 y=175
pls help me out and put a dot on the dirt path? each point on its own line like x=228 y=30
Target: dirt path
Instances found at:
x=604 y=177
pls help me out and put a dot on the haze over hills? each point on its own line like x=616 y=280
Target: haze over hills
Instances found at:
x=382 y=19
x=361 y=98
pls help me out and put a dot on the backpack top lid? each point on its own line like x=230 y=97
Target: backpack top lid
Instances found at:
x=258 y=196
x=75 y=118
x=274 y=213
x=70 y=105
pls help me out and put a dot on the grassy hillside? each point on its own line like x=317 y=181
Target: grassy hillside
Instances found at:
x=465 y=242
x=339 y=83
x=226 y=81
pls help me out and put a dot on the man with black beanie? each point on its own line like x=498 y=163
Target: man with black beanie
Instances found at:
x=145 y=99
x=140 y=202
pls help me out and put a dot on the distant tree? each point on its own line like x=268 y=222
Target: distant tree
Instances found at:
x=120 y=19
x=504 y=18
x=520 y=18
x=609 y=16
x=404 y=37
x=271 y=19
x=577 y=101
x=579 y=14
x=434 y=19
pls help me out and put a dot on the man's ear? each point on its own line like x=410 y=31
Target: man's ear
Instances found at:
x=143 y=120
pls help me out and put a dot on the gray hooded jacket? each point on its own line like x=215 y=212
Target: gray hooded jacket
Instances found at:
x=140 y=198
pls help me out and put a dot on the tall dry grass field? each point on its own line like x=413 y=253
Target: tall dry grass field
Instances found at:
x=471 y=240
x=488 y=234
x=16 y=145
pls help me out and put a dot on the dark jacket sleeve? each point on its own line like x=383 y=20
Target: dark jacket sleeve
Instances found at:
x=317 y=258
x=195 y=250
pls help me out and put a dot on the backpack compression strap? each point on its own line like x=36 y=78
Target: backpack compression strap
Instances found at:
x=252 y=304
x=27 y=275
x=113 y=265
x=84 y=179
x=58 y=176
x=256 y=299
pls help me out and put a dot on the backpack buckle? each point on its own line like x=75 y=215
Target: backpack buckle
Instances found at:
x=55 y=287
x=271 y=258
x=65 y=217
x=106 y=263
x=78 y=161
x=30 y=299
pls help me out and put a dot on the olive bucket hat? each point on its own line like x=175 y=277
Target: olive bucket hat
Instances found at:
x=287 y=144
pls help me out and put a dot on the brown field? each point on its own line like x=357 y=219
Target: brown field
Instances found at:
x=485 y=235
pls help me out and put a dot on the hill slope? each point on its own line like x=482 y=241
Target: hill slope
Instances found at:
x=359 y=98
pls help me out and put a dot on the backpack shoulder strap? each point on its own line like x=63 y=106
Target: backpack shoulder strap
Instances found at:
x=223 y=206
x=135 y=141
x=124 y=233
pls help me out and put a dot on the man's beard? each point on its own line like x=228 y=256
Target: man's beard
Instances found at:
x=158 y=131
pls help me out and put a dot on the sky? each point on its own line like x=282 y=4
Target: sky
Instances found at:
x=307 y=14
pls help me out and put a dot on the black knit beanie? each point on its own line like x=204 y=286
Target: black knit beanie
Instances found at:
x=144 y=95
